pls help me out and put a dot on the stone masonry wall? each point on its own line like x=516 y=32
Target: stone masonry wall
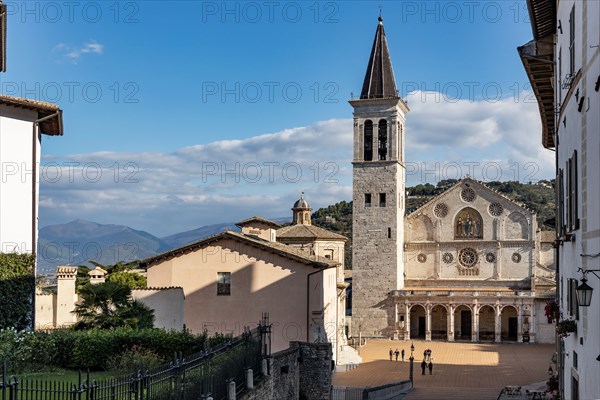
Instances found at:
x=302 y=372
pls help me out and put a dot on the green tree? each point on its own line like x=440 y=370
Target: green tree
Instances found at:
x=128 y=278
x=109 y=305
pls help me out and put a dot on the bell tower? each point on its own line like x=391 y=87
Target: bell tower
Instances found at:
x=378 y=195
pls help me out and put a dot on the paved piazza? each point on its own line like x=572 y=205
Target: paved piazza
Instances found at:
x=461 y=370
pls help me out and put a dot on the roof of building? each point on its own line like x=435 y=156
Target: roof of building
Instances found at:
x=273 y=247
x=301 y=202
x=2 y=37
x=542 y=14
x=97 y=272
x=379 y=80
x=51 y=126
x=537 y=57
x=250 y=220
x=302 y=231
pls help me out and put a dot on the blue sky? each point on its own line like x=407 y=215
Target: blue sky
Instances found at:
x=162 y=99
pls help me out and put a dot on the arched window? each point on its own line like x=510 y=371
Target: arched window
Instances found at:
x=382 y=139
x=368 y=138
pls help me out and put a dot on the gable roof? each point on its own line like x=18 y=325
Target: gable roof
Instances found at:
x=257 y=219
x=300 y=231
x=51 y=126
x=281 y=249
x=469 y=181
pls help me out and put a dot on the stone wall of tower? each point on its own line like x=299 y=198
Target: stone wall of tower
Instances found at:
x=377 y=246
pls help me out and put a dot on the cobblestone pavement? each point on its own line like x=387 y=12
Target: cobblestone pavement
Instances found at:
x=461 y=370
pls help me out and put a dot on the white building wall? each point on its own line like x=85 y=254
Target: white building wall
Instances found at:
x=580 y=130
x=16 y=146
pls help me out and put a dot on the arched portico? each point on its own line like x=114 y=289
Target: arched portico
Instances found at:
x=439 y=322
x=418 y=322
x=487 y=323
x=509 y=324
x=463 y=323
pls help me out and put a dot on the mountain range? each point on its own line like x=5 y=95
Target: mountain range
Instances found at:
x=79 y=241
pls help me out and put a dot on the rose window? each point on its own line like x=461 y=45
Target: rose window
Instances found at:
x=516 y=257
x=447 y=258
x=467 y=257
x=496 y=209
x=467 y=195
x=440 y=210
x=490 y=257
x=422 y=258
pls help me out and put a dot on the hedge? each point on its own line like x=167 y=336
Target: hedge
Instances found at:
x=17 y=288
x=94 y=349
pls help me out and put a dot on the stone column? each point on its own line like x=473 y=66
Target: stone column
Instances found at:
x=231 y=393
x=428 y=322
x=519 y=325
x=376 y=147
x=498 y=324
x=407 y=323
x=451 y=323
x=475 y=324
x=532 y=323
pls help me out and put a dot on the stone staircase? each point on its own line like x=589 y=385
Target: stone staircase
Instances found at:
x=348 y=359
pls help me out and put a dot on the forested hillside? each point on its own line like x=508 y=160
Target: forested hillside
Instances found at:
x=538 y=197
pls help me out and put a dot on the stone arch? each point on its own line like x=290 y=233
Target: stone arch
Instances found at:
x=487 y=322
x=422 y=229
x=468 y=224
x=418 y=317
x=509 y=323
x=463 y=322
x=439 y=322
x=516 y=226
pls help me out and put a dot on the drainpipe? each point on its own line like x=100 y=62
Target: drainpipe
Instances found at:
x=308 y=298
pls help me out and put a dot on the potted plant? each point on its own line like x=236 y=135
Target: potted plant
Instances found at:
x=551 y=310
x=565 y=327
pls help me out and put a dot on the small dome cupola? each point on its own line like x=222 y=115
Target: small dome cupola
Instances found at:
x=301 y=212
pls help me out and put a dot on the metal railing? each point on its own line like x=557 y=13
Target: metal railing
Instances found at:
x=384 y=392
x=205 y=373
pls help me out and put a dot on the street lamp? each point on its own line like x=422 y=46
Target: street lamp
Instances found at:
x=412 y=360
x=584 y=291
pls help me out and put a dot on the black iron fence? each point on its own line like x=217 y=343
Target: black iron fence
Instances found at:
x=198 y=376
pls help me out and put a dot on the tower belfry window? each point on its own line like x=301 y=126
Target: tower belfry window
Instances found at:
x=382 y=139
x=368 y=141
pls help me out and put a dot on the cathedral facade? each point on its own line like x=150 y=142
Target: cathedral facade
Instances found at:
x=468 y=265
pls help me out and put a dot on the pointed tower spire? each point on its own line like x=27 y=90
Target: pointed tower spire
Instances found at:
x=379 y=80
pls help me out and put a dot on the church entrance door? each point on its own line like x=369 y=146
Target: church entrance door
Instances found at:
x=465 y=325
x=512 y=328
x=421 y=326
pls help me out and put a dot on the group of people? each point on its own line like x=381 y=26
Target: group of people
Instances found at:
x=396 y=353
x=425 y=364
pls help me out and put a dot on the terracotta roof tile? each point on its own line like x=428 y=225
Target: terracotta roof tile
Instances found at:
x=52 y=126
x=300 y=231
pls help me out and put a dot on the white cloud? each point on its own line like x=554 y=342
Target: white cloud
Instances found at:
x=224 y=181
x=74 y=53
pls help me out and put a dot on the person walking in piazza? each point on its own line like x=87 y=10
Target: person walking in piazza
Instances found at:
x=402 y=353
x=391 y=353
x=423 y=366
x=430 y=368
x=396 y=353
